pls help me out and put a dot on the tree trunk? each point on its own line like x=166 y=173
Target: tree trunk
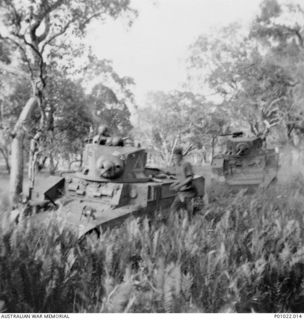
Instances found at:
x=52 y=167
x=16 y=176
x=212 y=147
x=33 y=161
x=172 y=151
x=69 y=160
x=6 y=159
x=17 y=160
x=81 y=159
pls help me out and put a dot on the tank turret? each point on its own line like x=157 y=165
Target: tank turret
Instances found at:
x=122 y=164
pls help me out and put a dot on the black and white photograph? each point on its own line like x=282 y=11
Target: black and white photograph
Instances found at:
x=151 y=158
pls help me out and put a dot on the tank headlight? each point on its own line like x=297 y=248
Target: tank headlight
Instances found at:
x=88 y=212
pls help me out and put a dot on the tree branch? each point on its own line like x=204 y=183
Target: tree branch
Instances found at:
x=22 y=37
x=46 y=31
x=40 y=17
x=21 y=49
x=53 y=7
x=172 y=149
x=189 y=149
x=95 y=15
x=64 y=29
x=275 y=101
x=18 y=17
x=61 y=32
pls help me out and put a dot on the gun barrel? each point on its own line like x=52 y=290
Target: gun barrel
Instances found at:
x=234 y=134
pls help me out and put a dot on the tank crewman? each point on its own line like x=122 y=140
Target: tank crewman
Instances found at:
x=115 y=141
x=184 y=187
x=102 y=135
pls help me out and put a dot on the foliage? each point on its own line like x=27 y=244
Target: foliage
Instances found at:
x=71 y=120
x=36 y=35
x=241 y=253
x=71 y=110
x=257 y=74
x=282 y=38
x=244 y=254
x=76 y=111
x=110 y=111
x=178 y=118
x=110 y=98
x=42 y=33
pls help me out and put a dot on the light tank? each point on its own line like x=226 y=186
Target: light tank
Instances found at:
x=246 y=162
x=113 y=184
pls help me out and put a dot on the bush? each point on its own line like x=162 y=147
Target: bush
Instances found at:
x=244 y=254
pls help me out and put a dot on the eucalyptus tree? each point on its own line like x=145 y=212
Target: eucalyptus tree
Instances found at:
x=35 y=30
x=257 y=74
x=178 y=118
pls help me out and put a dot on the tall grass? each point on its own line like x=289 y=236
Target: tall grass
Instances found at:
x=242 y=254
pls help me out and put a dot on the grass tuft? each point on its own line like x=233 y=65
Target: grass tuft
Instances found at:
x=242 y=253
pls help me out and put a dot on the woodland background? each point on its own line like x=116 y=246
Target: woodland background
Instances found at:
x=241 y=253
x=54 y=89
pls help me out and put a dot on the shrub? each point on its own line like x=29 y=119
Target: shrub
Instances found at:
x=241 y=254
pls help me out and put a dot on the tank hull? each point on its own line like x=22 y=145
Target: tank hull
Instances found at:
x=106 y=204
x=258 y=170
x=113 y=184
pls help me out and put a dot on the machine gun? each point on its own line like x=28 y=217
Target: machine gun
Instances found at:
x=233 y=134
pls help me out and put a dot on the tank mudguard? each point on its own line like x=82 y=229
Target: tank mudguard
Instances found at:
x=50 y=188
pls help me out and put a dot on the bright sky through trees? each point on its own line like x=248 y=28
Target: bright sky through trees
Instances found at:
x=153 y=50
